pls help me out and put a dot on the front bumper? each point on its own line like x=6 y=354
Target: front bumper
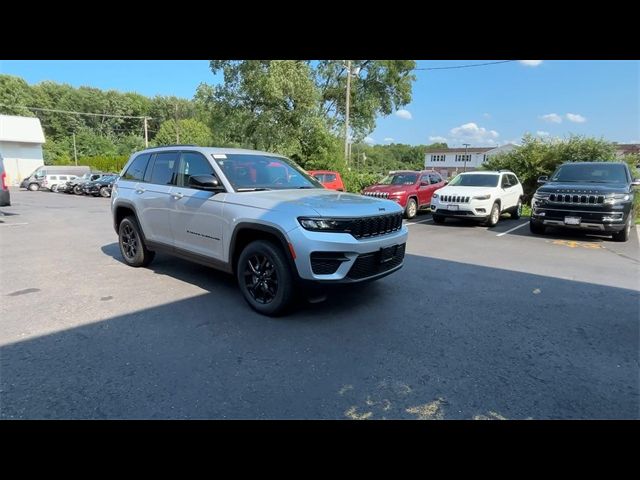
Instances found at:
x=360 y=259
x=473 y=210
x=603 y=219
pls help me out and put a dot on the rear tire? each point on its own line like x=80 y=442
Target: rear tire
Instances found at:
x=623 y=235
x=132 y=247
x=411 y=210
x=34 y=187
x=265 y=278
x=517 y=213
x=536 y=227
x=77 y=190
x=439 y=219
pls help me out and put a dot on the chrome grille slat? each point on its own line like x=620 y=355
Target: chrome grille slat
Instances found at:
x=576 y=198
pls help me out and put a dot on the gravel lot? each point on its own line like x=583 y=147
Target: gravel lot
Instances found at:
x=480 y=323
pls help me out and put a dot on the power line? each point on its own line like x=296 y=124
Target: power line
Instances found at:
x=466 y=66
x=72 y=112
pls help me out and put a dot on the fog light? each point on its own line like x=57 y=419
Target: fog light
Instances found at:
x=616 y=217
x=433 y=207
x=481 y=210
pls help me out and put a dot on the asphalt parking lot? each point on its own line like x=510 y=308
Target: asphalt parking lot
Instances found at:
x=480 y=323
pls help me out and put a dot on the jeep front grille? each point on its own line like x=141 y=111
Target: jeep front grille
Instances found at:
x=367 y=227
x=377 y=194
x=576 y=199
x=455 y=199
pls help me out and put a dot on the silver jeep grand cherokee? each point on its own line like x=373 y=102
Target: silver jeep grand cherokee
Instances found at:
x=256 y=215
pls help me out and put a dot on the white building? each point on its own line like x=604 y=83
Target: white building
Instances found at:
x=21 y=140
x=450 y=161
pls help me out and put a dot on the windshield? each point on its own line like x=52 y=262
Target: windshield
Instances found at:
x=483 y=180
x=248 y=172
x=591 y=173
x=400 y=179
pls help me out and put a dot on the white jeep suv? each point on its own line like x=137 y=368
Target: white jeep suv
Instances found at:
x=481 y=195
x=256 y=215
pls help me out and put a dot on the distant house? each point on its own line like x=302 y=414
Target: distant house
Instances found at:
x=21 y=140
x=623 y=149
x=450 y=161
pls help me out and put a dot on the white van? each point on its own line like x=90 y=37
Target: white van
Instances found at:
x=51 y=182
x=34 y=181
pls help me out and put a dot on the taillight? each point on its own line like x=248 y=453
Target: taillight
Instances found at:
x=4 y=180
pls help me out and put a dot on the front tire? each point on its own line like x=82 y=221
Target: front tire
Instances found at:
x=77 y=190
x=104 y=192
x=494 y=216
x=34 y=187
x=265 y=278
x=132 y=247
x=536 y=227
x=517 y=213
x=623 y=235
x=412 y=209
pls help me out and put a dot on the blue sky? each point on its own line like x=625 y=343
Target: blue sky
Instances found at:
x=487 y=105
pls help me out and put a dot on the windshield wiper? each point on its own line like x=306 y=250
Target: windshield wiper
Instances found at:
x=257 y=189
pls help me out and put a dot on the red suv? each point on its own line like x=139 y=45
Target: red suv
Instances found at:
x=412 y=190
x=329 y=179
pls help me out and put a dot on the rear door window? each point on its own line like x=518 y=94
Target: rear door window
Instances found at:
x=163 y=168
x=136 y=170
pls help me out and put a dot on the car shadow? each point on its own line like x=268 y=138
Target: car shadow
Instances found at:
x=524 y=346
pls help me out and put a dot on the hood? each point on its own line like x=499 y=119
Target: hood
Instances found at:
x=318 y=202
x=585 y=188
x=464 y=190
x=389 y=188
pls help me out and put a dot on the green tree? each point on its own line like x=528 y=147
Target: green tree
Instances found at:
x=189 y=131
x=15 y=94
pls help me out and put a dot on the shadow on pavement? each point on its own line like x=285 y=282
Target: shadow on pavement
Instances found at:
x=464 y=341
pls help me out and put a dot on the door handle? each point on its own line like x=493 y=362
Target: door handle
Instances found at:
x=177 y=196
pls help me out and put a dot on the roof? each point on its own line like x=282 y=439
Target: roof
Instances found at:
x=21 y=129
x=460 y=150
x=212 y=150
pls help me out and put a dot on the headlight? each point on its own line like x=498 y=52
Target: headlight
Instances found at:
x=398 y=193
x=617 y=198
x=482 y=197
x=324 y=224
x=541 y=196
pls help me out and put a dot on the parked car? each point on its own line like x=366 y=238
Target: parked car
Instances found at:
x=100 y=187
x=411 y=190
x=5 y=196
x=257 y=215
x=34 y=181
x=480 y=195
x=590 y=196
x=75 y=186
x=329 y=179
x=51 y=182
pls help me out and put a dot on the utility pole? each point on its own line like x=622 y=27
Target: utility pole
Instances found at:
x=177 y=127
x=465 y=156
x=75 y=152
x=346 y=120
x=146 y=134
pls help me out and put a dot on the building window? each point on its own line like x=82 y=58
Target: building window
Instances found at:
x=437 y=158
x=463 y=158
x=485 y=157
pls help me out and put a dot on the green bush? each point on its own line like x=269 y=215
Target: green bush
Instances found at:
x=355 y=182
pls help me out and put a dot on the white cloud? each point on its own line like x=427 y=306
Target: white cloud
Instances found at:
x=472 y=133
x=530 y=63
x=438 y=139
x=406 y=114
x=369 y=140
x=542 y=133
x=552 y=118
x=486 y=115
x=576 y=118
x=388 y=139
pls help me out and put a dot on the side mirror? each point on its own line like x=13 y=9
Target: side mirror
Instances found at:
x=205 y=182
x=635 y=182
x=543 y=179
